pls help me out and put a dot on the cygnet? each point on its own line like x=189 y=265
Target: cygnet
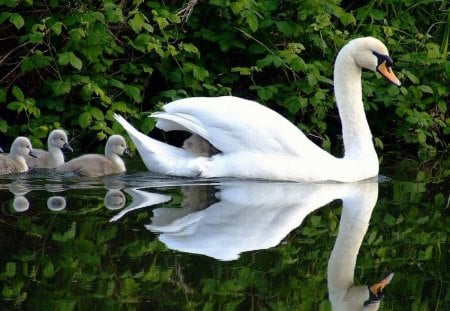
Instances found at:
x=57 y=142
x=96 y=165
x=14 y=162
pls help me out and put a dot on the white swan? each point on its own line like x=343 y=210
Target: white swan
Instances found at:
x=256 y=142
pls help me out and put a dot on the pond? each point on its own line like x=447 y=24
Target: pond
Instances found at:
x=139 y=241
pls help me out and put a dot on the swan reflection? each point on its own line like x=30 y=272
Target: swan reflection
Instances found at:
x=140 y=199
x=251 y=216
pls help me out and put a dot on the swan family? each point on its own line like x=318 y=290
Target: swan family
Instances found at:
x=236 y=137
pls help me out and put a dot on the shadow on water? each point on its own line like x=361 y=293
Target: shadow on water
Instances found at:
x=145 y=241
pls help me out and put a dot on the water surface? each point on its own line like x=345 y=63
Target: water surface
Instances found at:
x=142 y=241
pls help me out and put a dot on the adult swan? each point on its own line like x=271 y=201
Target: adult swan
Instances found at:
x=253 y=141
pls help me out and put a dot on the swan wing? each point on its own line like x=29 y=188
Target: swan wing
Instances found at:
x=234 y=124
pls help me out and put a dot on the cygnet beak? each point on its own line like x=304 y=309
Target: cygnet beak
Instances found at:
x=67 y=147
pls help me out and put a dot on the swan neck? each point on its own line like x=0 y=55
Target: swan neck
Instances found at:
x=348 y=91
x=116 y=159
x=56 y=153
x=353 y=225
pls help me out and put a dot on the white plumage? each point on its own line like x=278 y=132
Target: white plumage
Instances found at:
x=256 y=142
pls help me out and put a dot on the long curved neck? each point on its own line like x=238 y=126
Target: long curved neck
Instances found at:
x=356 y=213
x=347 y=88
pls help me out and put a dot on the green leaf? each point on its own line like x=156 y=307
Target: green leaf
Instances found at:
x=243 y=71
x=119 y=106
x=421 y=137
x=389 y=219
x=17 y=20
x=137 y=22
x=85 y=119
x=426 y=89
x=16 y=106
x=36 y=61
x=61 y=87
x=70 y=58
x=189 y=47
x=252 y=21
x=75 y=61
x=18 y=94
x=10 y=269
x=133 y=92
x=48 y=271
x=379 y=143
x=56 y=27
x=414 y=79
x=96 y=113
x=68 y=235
x=289 y=29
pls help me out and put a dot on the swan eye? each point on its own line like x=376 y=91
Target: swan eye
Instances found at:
x=382 y=58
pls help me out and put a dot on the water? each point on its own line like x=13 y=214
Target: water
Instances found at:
x=146 y=242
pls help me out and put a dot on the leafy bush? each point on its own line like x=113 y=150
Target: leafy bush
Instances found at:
x=72 y=64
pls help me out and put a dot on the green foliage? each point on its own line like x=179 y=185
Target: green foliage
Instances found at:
x=91 y=59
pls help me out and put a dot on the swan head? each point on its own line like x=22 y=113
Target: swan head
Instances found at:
x=372 y=54
x=22 y=147
x=116 y=144
x=58 y=139
x=361 y=298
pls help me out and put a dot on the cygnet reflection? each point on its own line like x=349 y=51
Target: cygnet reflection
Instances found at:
x=20 y=203
x=141 y=199
x=56 y=203
x=115 y=199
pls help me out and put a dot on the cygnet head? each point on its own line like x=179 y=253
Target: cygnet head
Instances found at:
x=58 y=139
x=372 y=54
x=116 y=144
x=22 y=147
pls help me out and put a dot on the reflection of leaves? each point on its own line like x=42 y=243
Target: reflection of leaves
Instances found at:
x=68 y=235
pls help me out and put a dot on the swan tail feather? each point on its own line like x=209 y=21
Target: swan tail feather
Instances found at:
x=157 y=156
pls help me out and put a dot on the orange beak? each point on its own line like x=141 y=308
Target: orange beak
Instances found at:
x=377 y=288
x=387 y=72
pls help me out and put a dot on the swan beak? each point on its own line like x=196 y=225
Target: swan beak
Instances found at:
x=377 y=289
x=128 y=153
x=67 y=147
x=32 y=154
x=387 y=72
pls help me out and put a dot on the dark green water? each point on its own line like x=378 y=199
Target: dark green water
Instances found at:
x=144 y=242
